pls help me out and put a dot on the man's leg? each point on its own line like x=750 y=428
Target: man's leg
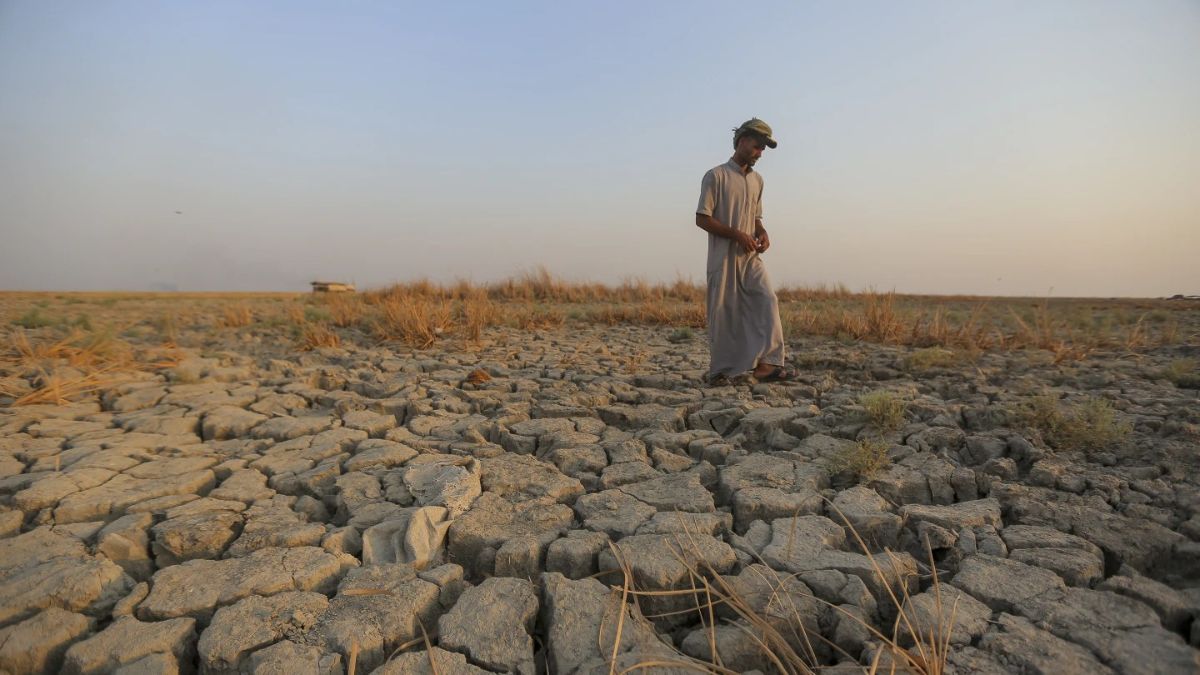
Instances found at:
x=763 y=314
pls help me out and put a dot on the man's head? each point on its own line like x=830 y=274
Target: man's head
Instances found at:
x=750 y=139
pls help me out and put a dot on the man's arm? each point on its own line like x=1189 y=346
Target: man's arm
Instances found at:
x=714 y=227
x=760 y=234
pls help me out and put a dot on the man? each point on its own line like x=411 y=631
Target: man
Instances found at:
x=744 y=331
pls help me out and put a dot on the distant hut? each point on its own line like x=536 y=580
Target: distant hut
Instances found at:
x=332 y=287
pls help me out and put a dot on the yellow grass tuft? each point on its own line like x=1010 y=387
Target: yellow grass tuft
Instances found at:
x=60 y=389
x=536 y=317
x=478 y=313
x=167 y=325
x=296 y=315
x=413 y=319
x=71 y=367
x=344 y=310
x=235 y=316
x=315 y=335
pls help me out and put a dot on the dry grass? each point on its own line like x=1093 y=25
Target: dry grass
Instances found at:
x=235 y=316
x=779 y=630
x=167 y=326
x=931 y=642
x=415 y=320
x=65 y=369
x=315 y=336
x=59 y=389
x=863 y=461
x=1183 y=373
x=345 y=310
x=1089 y=425
x=932 y=357
x=884 y=409
x=296 y=315
x=478 y=313
x=541 y=286
x=79 y=349
x=819 y=292
x=648 y=314
x=33 y=319
x=1067 y=328
x=535 y=317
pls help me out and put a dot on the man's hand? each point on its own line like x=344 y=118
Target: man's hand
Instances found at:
x=749 y=244
x=763 y=241
x=711 y=225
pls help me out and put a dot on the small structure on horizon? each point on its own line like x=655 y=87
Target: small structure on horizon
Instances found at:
x=332 y=287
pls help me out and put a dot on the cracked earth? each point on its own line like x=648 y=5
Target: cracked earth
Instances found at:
x=479 y=508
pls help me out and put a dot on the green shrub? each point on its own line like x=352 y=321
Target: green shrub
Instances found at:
x=931 y=357
x=682 y=334
x=884 y=410
x=1183 y=373
x=33 y=319
x=317 y=315
x=1089 y=425
x=864 y=459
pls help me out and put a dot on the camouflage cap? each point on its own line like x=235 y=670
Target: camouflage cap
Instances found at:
x=759 y=127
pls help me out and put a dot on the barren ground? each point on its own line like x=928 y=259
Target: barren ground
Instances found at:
x=525 y=502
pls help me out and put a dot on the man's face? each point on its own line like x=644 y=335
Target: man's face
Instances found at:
x=749 y=149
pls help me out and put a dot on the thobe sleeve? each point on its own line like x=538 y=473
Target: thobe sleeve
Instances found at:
x=708 y=194
x=758 y=203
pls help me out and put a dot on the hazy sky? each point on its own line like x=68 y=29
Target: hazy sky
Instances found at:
x=1001 y=148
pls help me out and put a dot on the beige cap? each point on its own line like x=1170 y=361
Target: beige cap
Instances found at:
x=757 y=126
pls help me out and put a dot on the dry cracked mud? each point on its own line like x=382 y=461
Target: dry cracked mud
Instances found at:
x=477 y=508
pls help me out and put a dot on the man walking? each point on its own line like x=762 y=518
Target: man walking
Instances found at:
x=744 y=331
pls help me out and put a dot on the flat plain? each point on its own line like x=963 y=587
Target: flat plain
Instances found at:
x=534 y=476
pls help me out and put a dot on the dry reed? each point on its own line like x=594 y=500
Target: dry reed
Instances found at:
x=235 y=316
x=315 y=336
x=81 y=363
x=780 y=634
x=345 y=310
x=414 y=319
x=535 y=300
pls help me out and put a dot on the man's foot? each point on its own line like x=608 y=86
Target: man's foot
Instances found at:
x=774 y=374
x=718 y=380
x=723 y=380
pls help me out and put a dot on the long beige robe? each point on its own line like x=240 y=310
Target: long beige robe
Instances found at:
x=743 y=312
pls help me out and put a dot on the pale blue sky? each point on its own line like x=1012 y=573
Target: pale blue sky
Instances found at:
x=1002 y=148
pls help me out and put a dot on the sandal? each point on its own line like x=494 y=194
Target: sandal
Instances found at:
x=718 y=380
x=778 y=374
